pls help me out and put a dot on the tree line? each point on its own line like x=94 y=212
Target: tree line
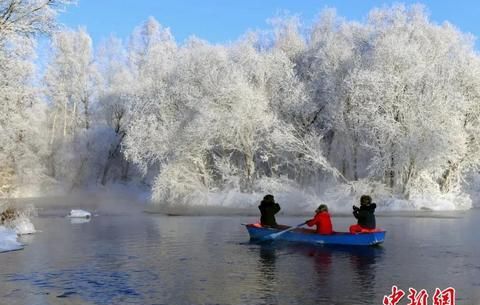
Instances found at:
x=391 y=101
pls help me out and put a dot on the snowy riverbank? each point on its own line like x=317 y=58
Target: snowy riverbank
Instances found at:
x=8 y=240
x=296 y=202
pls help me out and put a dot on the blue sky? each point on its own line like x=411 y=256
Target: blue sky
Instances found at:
x=223 y=21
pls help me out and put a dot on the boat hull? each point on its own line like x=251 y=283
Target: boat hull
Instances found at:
x=309 y=236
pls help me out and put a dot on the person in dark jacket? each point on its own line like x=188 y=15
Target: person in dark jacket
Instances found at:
x=365 y=215
x=268 y=208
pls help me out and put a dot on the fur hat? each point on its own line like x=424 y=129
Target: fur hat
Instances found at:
x=365 y=199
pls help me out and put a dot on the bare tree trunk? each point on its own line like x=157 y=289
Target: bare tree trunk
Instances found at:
x=408 y=177
x=203 y=174
x=105 y=172
x=392 y=172
x=74 y=118
x=344 y=167
x=329 y=136
x=111 y=155
x=355 y=161
x=449 y=177
x=86 y=113
x=79 y=175
x=125 y=170
x=250 y=170
x=65 y=106
x=52 y=137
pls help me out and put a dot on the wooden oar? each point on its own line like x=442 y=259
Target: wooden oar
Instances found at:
x=275 y=235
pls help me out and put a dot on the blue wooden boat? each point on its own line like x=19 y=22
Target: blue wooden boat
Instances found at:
x=260 y=233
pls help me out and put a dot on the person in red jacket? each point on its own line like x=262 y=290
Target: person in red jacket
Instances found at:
x=322 y=220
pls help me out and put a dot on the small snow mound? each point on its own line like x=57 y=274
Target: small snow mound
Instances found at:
x=8 y=240
x=18 y=220
x=22 y=226
x=79 y=214
x=428 y=202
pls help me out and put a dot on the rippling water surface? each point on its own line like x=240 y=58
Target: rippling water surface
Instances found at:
x=138 y=258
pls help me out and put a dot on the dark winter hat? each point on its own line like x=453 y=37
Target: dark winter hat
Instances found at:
x=365 y=199
x=322 y=207
x=269 y=198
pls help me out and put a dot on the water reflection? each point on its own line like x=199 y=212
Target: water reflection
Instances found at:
x=205 y=260
x=321 y=259
x=267 y=273
x=26 y=239
x=88 y=282
x=347 y=273
x=332 y=273
x=79 y=220
x=364 y=264
x=267 y=262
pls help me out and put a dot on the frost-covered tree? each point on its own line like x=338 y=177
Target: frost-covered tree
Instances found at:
x=288 y=37
x=71 y=79
x=323 y=67
x=391 y=102
x=219 y=120
x=394 y=98
x=22 y=119
x=412 y=105
x=21 y=139
x=115 y=102
x=151 y=55
x=28 y=17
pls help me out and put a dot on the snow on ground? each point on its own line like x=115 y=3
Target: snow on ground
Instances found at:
x=18 y=218
x=8 y=240
x=472 y=187
x=342 y=197
x=446 y=202
x=339 y=199
x=22 y=225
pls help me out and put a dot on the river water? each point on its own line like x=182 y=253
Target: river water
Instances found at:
x=139 y=258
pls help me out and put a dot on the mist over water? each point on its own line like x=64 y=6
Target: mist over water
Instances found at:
x=132 y=257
